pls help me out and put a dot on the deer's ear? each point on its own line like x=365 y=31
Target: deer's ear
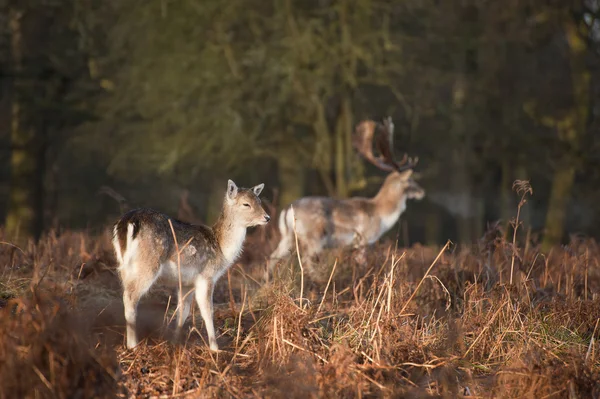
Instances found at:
x=232 y=190
x=258 y=189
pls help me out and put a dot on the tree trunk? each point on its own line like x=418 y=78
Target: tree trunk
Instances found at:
x=291 y=179
x=432 y=227
x=344 y=123
x=347 y=117
x=23 y=215
x=478 y=220
x=557 y=206
x=462 y=188
x=506 y=197
x=323 y=150
x=461 y=179
x=341 y=188
x=342 y=137
x=570 y=129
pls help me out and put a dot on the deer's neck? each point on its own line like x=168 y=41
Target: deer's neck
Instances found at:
x=230 y=236
x=389 y=202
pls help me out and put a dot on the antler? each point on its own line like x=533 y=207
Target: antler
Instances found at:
x=363 y=142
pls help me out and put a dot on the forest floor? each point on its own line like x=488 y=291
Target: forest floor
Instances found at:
x=419 y=322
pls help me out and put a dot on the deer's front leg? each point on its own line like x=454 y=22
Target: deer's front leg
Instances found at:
x=204 y=297
x=360 y=255
x=359 y=246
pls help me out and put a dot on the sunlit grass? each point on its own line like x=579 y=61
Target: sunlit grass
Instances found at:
x=374 y=329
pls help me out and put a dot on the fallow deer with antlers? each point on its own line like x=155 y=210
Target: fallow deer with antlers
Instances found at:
x=325 y=222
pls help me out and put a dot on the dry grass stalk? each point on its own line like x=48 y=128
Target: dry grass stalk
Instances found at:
x=299 y=259
x=466 y=333
x=327 y=286
x=591 y=346
x=522 y=187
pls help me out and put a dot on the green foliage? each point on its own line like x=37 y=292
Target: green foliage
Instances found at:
x=194 y=84
x=183 y=94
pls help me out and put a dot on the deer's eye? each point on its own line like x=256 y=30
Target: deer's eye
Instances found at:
x=247 y=204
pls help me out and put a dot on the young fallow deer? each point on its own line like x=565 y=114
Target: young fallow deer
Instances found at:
x=323 y=222
x=146 y=251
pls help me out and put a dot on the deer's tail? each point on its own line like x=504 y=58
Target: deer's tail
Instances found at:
x=125 y=242
x=285 y=224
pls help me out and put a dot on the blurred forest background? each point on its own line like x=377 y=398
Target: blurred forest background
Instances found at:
x=106 y=104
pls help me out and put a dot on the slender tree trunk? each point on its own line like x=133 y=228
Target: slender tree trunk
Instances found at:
x=506 y=196
x=323 y=151
x=463 y=118
x=479 y=216
x=461 y=184
x=291 y=179
x=342 y=138
x=462 y=187
x=347 y=116
x=22 y=218
x=341 y=187
x=557 y=206
x=432 y=227
x=40 y=149
x=344 y=122
x=570 y=130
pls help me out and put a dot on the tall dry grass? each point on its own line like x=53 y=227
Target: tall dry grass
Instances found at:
x=409 y=322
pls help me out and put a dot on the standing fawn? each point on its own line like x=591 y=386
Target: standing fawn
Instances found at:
x=146 y=251
x=323 y=222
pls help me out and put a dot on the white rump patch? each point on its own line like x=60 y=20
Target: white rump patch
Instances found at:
x=117 y=246
x=132 y=246
x=289 y=218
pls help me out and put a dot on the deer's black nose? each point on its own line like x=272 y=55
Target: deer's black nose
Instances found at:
x=267 y=218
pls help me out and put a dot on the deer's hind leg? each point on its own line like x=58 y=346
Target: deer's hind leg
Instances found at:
x=137 y=277
x=185 y=300
x=283 y=249
x=284 y=246
x=309 y=256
